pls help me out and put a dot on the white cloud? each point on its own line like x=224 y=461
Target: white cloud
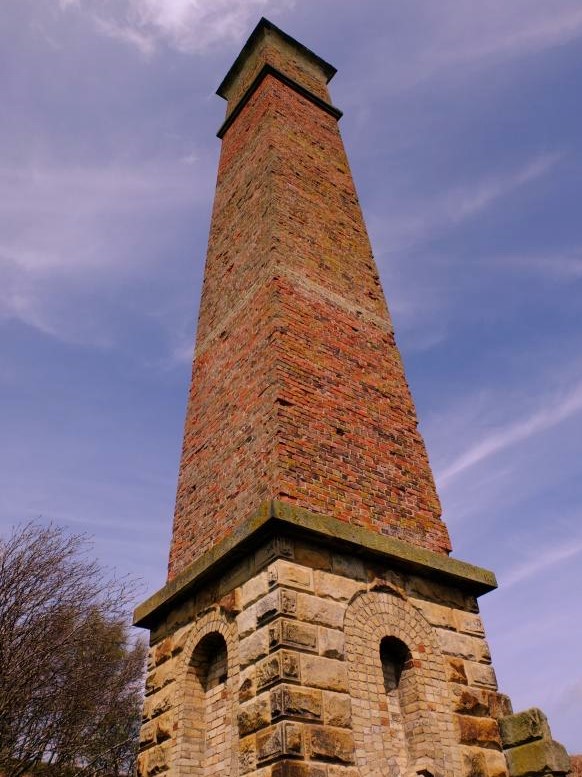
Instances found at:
x=557 y=409
x=195 y=25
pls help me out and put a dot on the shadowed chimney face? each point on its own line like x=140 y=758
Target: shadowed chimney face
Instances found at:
x=298 y=391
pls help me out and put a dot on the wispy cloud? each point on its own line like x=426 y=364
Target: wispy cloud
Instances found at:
x=406 y=224
x=557 y=409
x=127 y=34
x=453 y=39
x=559 y=266
x=65 y=231
x=541 y=561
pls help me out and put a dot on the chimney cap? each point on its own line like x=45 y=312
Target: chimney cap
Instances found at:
x=264 y=25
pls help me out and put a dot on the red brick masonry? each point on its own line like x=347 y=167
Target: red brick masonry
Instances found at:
x=298 y=391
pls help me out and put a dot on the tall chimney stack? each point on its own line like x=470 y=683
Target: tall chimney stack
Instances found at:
x=313 y=623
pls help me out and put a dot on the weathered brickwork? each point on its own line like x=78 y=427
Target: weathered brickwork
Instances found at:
x=310 y=687
x=298 y=391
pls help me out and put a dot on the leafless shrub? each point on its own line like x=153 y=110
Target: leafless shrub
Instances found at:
x=70 y=679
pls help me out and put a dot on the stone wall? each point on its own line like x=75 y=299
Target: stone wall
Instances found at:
x=308 y=690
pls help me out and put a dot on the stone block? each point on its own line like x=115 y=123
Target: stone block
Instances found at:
x=292 y=575
x=349 y=566
x=331 y=643
x=268 y=671
x=473 y=762
x=158 y=703
x=469 y=623
x=179 y=640
x=163 y=651
x=277 y=547
x=463 y=646
x=382 y=579
x=499 y=705
x=283 y=665
x=524 y=727
x=481 y=732
x=282 y=739
x=323 y=612
x=436 y=614
x=268 y=606
x=164 y=727
x=254 y=715
x=158 y=759
x=537 y=758
x=247 y=754
x=290 y=665
x=206 y=598
x=234 y=577
x=231 y=602
x=422 y=588
x=339 y=770
x=337 y=709
x=247 y=684
x=335 y=587
x=312 y=556
x=496 y=763
x=254 y=647
x=246 y=622
x=469 y=701
x=331 y=744
x=297 y=769
x=293 y=701
x=147 y=734
x=293 y=634
x=252 y=590
x=455 y=669
x=281 y=601
x=480 y=675
x=326 y=673
x=160 y=677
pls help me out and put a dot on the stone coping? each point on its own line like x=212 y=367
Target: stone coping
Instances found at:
x=274 y=517
x=254 y=38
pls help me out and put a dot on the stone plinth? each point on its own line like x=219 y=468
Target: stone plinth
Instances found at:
x=311 y=686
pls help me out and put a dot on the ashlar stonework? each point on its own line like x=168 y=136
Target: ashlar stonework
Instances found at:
x=303 y=626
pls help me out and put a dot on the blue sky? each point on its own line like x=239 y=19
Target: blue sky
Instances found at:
x=464 y=131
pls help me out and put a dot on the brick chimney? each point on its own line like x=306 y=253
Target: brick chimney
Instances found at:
x=298 y=392
x=313 y=623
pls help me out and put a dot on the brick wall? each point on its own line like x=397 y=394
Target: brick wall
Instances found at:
x=298 y=391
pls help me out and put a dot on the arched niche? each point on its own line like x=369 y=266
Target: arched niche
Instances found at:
x=401 y=709
x=206 y=707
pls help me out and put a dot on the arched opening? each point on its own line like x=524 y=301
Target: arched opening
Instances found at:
x=396 y=662
x=211 y=719
x=401 y=717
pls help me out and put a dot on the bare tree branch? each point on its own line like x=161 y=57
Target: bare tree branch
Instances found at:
x=70 y=679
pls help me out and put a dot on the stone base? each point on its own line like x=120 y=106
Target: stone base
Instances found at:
x=337 y=666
